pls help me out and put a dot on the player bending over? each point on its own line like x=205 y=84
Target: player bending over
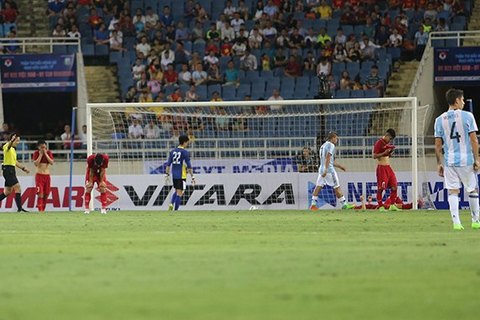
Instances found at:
x=42 y=159
x=369 y=205
x=327 y=175
x=97 y=165
x=386 y=177
x=179 y=160
x=455 y=133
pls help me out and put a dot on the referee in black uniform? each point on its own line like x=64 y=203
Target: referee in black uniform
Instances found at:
x=8 y=167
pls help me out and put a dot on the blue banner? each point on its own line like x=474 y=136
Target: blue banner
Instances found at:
x=38 y=72
x=454 y=65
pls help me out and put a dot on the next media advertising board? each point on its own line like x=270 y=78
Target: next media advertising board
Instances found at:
x=454 y=65
x=38 y=72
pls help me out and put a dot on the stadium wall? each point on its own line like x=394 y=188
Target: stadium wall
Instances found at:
x=224 y=191
x=138 y=167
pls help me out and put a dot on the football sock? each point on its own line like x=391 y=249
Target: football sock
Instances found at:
x=380 y=197
x=342 y=200
x=2 y=196
x=40 y=204
x=18 y=200
x=174 y=197
x=177 y=202
x=103 y=199
x=393 y=196
x=453 y=203
x=474 y=205
x=87 y=199
x=314 y=199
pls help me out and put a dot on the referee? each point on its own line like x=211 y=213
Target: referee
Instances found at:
x=8 y=167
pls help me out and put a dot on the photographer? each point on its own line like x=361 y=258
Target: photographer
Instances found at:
x=307 y=162
x=324 y=91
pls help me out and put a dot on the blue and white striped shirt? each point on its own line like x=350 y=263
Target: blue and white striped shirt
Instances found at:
x=454 y=127
x=326 y=148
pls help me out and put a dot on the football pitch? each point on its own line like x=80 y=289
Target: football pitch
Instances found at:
x=238 y=265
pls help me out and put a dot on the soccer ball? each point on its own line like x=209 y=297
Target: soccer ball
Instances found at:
x=253 y=208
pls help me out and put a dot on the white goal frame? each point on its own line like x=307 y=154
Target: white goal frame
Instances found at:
x=411 y=101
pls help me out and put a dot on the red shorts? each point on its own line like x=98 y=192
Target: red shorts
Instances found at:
x=96 y=178
x=385 y=177
x=42 y=182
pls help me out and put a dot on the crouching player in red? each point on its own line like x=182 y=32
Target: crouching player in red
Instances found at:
x=97 y=165
x=386 y=178
x=42 y=159
x=369 y=205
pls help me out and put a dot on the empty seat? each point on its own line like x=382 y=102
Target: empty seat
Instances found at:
x=213 y=88
x=228 y=93
x=101 y=50
x=342 y=94
x=243 y=90
x=357 y=94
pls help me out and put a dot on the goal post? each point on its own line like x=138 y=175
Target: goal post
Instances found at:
x=236 y=142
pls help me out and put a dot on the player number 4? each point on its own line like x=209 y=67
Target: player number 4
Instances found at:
x=454 y=133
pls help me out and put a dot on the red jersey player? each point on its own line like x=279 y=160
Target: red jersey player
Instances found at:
x=370 y=206
x=42 y=159
x=97 y=165
x=386 y=178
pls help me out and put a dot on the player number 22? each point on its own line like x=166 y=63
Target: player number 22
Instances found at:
x=176 y=157
x=454 y=133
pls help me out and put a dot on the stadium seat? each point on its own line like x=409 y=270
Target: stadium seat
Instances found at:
x=303 y=81
x=357 y=94
x=252 y=76
x=267 y=75
x=129 y=43
x=317 y=24
x=338 y=68
x=287 y=84
x=395 y=52
x=347 y=30
x=151 y=3
x=135 y=4
x=341 y=94
x=300 y=92
x=358 y=30
x=199 y=47
x=88 y=49
x=115 y=57
x=243 y=90
x=212 y=88
x=101 y=50
x=353 y=69
x=202 y=92
x=371 y=93
x=228 y=93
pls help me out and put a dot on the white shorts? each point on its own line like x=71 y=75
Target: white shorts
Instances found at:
x=455 y=176
x=331 y=179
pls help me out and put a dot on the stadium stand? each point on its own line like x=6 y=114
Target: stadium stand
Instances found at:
x=114 y=32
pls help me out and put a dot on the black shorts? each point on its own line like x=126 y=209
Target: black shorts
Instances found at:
x=10 y=176
x=179 y=184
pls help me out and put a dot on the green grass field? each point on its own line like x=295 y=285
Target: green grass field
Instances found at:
x=238 y=265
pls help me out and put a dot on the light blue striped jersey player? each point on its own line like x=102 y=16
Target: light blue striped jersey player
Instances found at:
x=454 y=127
x=325 y=149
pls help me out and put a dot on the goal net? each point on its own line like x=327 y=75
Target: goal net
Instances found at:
x=258 y=154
